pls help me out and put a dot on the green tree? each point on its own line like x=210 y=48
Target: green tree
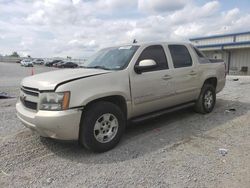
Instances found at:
x=14 y=54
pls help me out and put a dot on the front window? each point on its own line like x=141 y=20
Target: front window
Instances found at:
x=114 y=58
x=156 y=53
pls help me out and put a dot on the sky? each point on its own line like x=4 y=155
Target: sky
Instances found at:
x=78 y=28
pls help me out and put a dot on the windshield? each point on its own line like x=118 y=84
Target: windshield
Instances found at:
x=115 y=58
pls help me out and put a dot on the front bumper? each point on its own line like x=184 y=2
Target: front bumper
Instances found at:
x=62 y=125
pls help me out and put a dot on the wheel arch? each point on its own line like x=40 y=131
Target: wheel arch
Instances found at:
x=211 y=80
x=118 y=100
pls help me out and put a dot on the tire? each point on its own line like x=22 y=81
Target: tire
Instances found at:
x=207 y=99
x=102 y=126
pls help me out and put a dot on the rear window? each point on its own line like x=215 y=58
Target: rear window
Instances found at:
x=180 y=56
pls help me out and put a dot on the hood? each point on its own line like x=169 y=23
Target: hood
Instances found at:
x=49 y=80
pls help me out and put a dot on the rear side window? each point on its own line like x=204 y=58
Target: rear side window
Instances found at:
x=199 y=53
x=155 y=52
x=180 y=56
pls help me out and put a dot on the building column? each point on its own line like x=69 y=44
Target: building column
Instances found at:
x=228 y=61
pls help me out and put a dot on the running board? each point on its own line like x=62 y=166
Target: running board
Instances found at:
x=161 y=112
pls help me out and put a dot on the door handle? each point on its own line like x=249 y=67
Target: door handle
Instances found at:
x=193 y=73
x=166 y=77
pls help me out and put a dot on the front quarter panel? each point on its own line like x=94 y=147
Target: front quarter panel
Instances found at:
x=94 y=87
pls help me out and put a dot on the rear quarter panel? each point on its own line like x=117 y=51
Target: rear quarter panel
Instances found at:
x=209 y=70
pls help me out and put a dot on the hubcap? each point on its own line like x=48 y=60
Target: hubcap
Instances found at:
x=208 y=99
x=106 y=128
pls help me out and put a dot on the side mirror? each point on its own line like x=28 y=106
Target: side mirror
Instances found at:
x=145 y=65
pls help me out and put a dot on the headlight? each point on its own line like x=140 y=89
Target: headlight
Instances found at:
x=54 y=101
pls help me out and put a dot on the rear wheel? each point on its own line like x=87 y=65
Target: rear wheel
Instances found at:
x=207 y=99
x=102 y=126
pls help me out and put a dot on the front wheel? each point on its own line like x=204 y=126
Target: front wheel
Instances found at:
x=102 y=126
x=207 y=99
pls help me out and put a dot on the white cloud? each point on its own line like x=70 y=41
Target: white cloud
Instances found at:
x=77 y=28
x=194 y=13
x=231 y=15
x=187 y=30
x=161 y=5
x=116 y=4
x=37 y=17
x=83 y=44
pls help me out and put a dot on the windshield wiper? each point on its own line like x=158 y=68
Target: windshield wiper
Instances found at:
x=98 y=67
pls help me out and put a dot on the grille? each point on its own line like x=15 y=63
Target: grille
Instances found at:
x=29 y=97
x=32 y=89
x=30 y=92
x=31 y=105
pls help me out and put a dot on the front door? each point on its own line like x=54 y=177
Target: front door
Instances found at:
x=151 y=88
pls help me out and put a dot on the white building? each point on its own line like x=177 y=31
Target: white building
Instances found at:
x=234 y=49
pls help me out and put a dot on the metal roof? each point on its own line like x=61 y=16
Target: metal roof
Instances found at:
x=223 y=44
x=219 y=36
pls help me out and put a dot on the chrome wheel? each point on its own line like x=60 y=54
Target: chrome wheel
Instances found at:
x=106 y=128
x=208 y=99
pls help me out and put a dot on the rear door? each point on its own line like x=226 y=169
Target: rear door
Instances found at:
x=185 y=78
x=151 y=88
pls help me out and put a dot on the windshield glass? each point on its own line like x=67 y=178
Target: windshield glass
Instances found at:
x=115 y=58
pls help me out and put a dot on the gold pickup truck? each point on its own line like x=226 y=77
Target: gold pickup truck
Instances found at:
x=128 y=82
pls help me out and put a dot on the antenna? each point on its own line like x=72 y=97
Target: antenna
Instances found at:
x=134 y=41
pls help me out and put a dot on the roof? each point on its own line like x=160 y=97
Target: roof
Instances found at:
x=219 y=36
x=152 y=43
x=222 y=45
